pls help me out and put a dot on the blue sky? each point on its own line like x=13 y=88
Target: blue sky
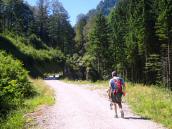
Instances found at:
x=75 y=7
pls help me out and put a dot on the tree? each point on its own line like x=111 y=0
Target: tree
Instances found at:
x=164 y=32
x=80 y=38
x=16 y=16
x=117 y=21
x=60 y=31
x=1 y=15
x=24 y=17
x=98 y=47
x=42 y=18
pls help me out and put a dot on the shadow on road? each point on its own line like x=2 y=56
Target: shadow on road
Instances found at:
x=137 y=118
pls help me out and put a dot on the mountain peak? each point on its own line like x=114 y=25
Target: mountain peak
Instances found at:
x=105 y=6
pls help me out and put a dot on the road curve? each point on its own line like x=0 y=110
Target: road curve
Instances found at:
x=79 y=108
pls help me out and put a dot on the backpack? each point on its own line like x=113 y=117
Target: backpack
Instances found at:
x=118 y=86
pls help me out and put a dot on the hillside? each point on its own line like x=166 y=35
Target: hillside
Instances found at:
x=36 y=60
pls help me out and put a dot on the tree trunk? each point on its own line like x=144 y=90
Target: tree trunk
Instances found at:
x=169 y=66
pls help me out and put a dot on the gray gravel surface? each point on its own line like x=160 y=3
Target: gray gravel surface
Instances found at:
x=78 y=107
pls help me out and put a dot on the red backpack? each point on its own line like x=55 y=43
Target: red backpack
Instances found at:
x=119 y=84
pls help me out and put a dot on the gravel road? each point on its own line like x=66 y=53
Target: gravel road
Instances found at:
x=77 y=107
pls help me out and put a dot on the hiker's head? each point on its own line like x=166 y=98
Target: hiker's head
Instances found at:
x=114 y=73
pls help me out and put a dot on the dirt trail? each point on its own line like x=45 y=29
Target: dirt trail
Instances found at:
x=80 y=108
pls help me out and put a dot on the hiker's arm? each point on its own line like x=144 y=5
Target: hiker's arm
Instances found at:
x=109 y=86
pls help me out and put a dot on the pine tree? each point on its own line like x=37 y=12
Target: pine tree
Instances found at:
x=80 y=38
x=42 y=18
x=117 y=21
x=164 y=31
x=1 y=15
x=99 y=43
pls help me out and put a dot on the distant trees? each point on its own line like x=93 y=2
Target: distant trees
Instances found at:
x=42 y=19
x=15 y=16
x=99 y=46
x=80 y=38
x=61 y=33
x=47 y=20
x=138 y=41
x=164 y=33
x=42 y=27
x=117 y=22
x=142 y=29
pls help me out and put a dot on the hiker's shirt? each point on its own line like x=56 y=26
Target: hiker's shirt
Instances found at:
x=112 y=82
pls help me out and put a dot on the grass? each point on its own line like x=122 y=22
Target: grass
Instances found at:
x=16 y=119
x=151 y=102
x=147 y=101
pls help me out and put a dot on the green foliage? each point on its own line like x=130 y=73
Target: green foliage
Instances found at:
x=14 y=84
x=80 y=38
x=17 y=119
x=60 y=31
x=117 y=21
x=164 y=32
x=153 y=66
x=99 y=46
x=35 y=60
x=17 y=14
x=36 y=42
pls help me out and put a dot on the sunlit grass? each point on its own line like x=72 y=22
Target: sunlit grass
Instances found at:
x=151 y=102
x=45 y=95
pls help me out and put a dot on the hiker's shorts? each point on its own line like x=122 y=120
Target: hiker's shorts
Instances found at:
x=116 y=98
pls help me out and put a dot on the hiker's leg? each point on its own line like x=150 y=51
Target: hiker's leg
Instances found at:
x=115 y=107
x=111 y=104
x=110 y=98
x=120 y=107
x=109 y=92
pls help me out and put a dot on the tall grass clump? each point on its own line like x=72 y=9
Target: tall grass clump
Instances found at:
x=151 y=102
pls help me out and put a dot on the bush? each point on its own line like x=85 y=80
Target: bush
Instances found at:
x=14 y=84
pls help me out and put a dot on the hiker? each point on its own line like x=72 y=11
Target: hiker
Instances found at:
x=115 y=92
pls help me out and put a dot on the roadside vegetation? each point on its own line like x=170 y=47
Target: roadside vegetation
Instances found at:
x=19 y=94
x=151 y=102
x=15 y=118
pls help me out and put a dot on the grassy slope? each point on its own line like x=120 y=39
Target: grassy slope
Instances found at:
x=148 y=101
x=44 y=96
x=36 y=61
x=26 y=49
